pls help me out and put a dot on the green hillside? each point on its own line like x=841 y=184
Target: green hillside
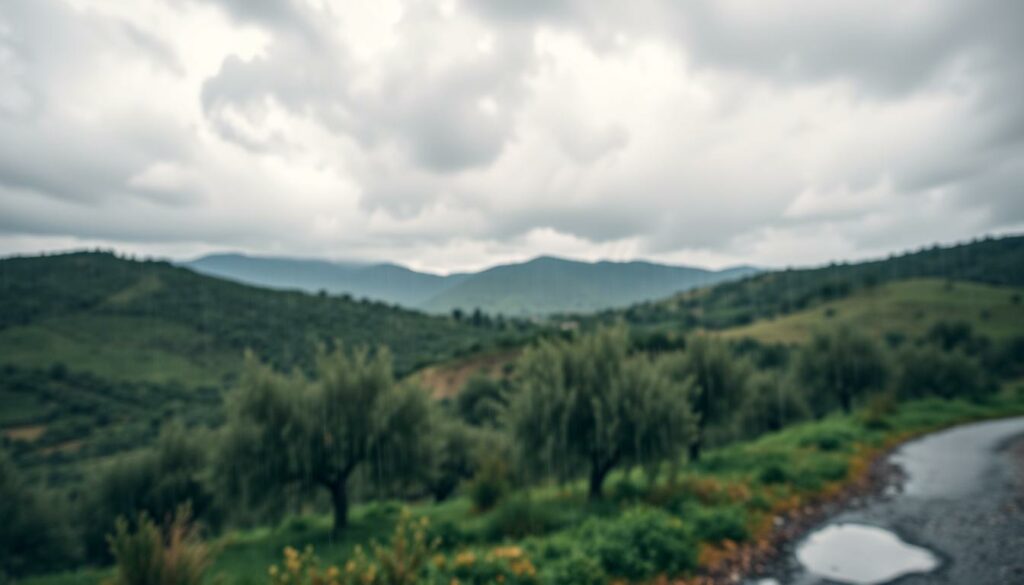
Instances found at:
x=98 y=352
x=554 y=285
x=907 y=308
x=156 y=322
x=773 y=295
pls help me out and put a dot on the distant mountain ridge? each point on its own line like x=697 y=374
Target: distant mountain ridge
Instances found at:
x=386 y=282
x=542 y=286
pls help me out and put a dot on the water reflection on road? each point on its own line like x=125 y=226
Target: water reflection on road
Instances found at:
x=959 y=503
x=863 y=555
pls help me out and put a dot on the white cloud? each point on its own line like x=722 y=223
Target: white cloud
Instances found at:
x=454 y=135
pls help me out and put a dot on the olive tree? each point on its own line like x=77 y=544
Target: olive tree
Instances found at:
x=719 y=381
x=289 y=431
x=838 y=366
x=34 y=534
x=587 y=405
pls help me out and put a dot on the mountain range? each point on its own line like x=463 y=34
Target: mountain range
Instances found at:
x=542 y=286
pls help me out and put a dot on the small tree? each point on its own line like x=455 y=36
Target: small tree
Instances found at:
x=482 y=401
x=770 y=404
x=155 y=481
x=837 y=366
x=588 y=405
x=929 y=371
x=288 y=431
x=34 y=533
x=719 y=381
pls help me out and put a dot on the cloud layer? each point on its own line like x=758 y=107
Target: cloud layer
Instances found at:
x=457 y=134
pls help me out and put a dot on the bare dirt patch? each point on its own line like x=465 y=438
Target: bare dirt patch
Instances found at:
x=446 y=380
x=28 y=433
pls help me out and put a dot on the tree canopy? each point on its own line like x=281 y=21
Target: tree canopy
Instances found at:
x=291 y=431
x=589 y=405
x=718 y=380
x=839 y=365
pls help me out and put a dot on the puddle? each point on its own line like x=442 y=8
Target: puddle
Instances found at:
x=953 y=462
x=862 y=555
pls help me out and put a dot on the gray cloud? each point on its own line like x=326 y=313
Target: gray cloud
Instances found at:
x=419 y=132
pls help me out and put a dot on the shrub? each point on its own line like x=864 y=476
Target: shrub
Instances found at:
x=930 y=371
x=521 y=516
x=403 y=561
x=773 y=473
x=154 y=481
x=149 y=556
x=489 y=485
x=642 y=543
x=576 y=568
x=34 y=536
x=720 y=523
x=880 y=406
x=509 y=565
x=828 y=438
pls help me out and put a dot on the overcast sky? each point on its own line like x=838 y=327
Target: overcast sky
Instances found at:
x=458 y=134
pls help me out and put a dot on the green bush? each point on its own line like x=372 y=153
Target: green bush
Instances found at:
x=155 y=481
x=34 y=535
x=720 y=523
x=642 y=543
x=149 y=556
x=489 y=485
x=575 y=568
x=522 y=516
x=773 y=474
x=930 y=371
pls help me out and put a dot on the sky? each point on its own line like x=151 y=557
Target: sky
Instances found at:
x=454 y=135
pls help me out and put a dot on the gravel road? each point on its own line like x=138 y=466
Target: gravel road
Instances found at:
x=961 y=496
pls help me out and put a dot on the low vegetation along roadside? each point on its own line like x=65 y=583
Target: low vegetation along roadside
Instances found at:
x=596 y=460
x=692 y=523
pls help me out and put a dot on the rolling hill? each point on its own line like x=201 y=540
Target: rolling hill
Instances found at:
x=998 y=262
x=541 y=286
x=154 y=321
x=390 y=283
x=549 y=285
x=905 y=308
x=98 y=352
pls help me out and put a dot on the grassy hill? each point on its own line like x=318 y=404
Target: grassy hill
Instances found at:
x=554 y=285
x=97 y=352
x=773 y=295
x=157 y=322
x=907 y=308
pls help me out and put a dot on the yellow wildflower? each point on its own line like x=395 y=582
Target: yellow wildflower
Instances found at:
x=465 y=558
x=507 y=552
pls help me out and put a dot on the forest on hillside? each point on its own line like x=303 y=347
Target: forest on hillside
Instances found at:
x=600 y=452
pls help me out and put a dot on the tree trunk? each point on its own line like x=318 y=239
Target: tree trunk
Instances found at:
x=695 y=448
x=846 y=400
x=597 y=475
x=339 y=499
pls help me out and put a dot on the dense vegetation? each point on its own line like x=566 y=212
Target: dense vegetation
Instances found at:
x=202 y=321
x=603 y=453
x=779 y=293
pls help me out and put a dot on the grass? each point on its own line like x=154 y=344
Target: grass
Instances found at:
x=908 y=307
x=135 y=349
x=733 y=493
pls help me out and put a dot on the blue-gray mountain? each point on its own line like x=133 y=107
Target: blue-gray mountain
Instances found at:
x=541 y=286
